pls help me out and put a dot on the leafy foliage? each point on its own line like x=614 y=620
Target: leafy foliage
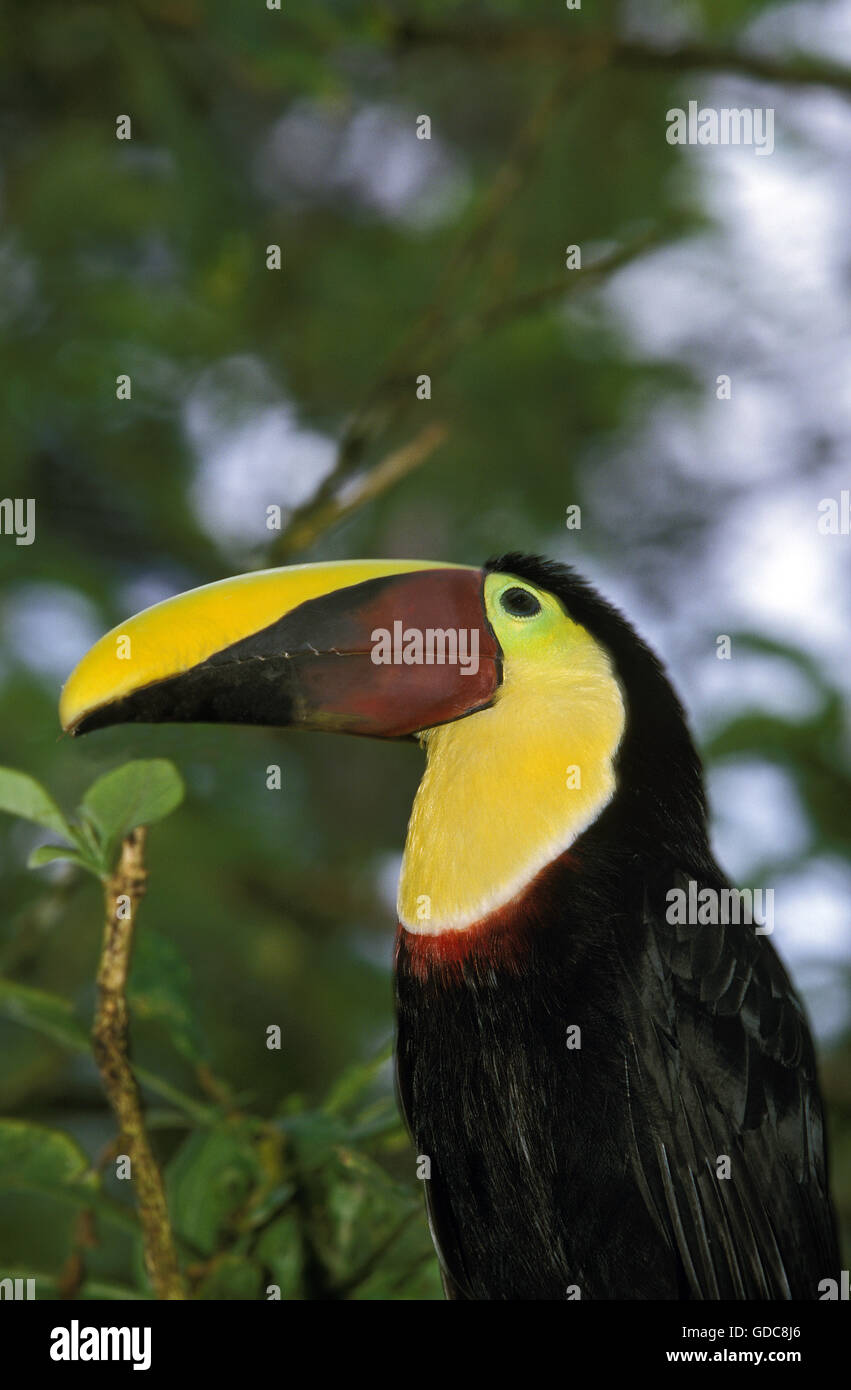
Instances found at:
x=262 y=1208
x=139 y=793
x=293 y=1207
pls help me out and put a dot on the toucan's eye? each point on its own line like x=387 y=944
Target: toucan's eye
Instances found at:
x=520 y=603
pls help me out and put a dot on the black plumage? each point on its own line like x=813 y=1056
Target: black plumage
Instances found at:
x=594 y=1172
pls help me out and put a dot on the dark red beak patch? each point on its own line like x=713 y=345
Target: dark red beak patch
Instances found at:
x=420 y=652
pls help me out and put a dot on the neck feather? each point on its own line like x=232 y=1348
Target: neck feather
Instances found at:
x=508 y=790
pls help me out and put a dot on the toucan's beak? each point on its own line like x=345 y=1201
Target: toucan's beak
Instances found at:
x=379 y=647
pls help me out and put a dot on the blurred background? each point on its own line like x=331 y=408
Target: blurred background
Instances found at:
x=295 y=388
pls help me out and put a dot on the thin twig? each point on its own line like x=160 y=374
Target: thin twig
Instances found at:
x=72 y=1276
x=124 y=890
x=314 y=520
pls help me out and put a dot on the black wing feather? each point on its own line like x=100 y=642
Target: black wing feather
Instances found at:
x=721 y=1063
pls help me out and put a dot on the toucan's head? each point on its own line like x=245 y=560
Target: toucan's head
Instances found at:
x=536 y=701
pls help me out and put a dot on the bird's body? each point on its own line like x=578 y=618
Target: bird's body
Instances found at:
x=577 y=1068
x=593 y=1171
x=616 y=1100
x=531 y=1193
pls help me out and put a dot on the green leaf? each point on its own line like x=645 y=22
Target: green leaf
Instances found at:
x=315 y=1135
x=23 y=796
x=35 y=1159
x=363 y=1213
x=48 y=854
x=138 y=793
x=280 y=1248
x=209 y=1181
x=46 y=1013
x=355 y=1080
x=47 y=1163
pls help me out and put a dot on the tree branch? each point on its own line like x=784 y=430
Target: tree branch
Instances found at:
x=798 y=70
x=386 y=404
x=433 y=339
x=322 y=511
x=319 y=515
x=124 y=890
x=558 y=41
x=553 y=291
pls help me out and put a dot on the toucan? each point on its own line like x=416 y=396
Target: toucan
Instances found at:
x=616 y=1099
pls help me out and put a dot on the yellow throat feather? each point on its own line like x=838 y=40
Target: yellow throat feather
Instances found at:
x=509 y=788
